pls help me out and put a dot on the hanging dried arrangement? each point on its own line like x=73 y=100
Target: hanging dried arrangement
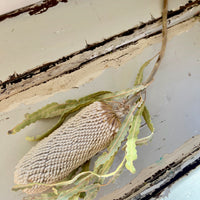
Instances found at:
x=102 y=120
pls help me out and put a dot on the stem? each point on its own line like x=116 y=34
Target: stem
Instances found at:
x=164 y=42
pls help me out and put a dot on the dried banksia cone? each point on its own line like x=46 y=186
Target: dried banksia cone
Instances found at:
x=73 y=143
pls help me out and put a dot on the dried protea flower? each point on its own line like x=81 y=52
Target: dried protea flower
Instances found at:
x=73 y=143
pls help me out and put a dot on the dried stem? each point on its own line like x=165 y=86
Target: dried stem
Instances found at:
x=164 y=42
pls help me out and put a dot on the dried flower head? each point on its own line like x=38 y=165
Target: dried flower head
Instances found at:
x=73 y=143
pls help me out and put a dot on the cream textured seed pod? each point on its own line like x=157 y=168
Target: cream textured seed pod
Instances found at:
x=73 y=143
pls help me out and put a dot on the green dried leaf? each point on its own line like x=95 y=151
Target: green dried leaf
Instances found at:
x=59 y=123
x=123 y=93
x=144 y=140
x=48 y=196
x=85 y=101
x=70 y=193
x=91 y=190
x=96 y=96
x=85 y=168
x=65 y=195
x=139 y=77
x=100 y=173
x=31 y=118
x=131 y=152
x=113 y=179
x=78 y=189
x=147 y=118
x=75 y=197
x=54 y=110
x=50 y=110
x=119 y=137
x=91 y=193
x=68 y=108
x=103 y=169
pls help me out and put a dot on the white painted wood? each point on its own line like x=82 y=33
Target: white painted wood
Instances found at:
x=29 y=41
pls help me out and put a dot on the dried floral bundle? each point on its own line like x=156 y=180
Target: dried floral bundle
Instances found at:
x=99 y=123
x=102 y=120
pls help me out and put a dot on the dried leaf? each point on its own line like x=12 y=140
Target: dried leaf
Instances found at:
x=91 y=193
x=103 y=169
x=54 y=110
x=116 y=173
x=59 y=123
x=85 y=178
x=147 y=118
x=123 y=93
x=113 y=179
x=139 y=77
x=65 y=195
x=144 y=140
x=48 y=196
x=96 y=96
x=70 y=193
x=50 y=110
x=131 y=152
x=68 y=108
